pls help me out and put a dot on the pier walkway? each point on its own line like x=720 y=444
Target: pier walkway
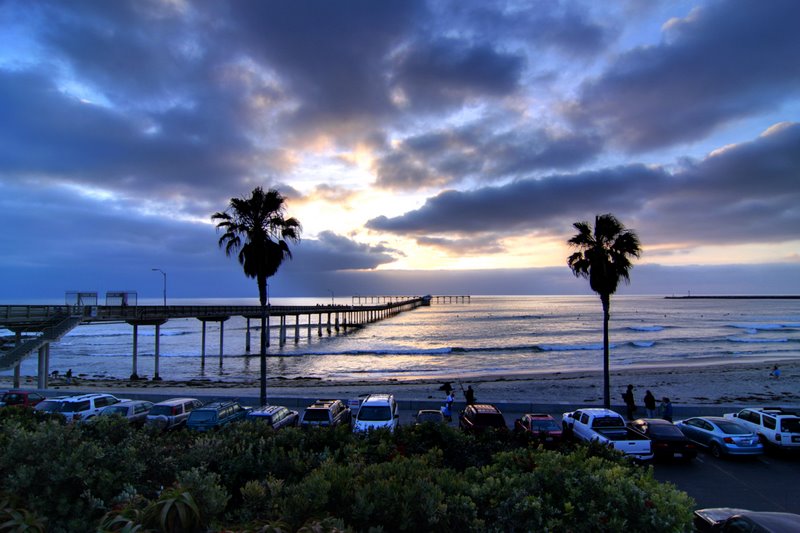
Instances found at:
x=37 y=326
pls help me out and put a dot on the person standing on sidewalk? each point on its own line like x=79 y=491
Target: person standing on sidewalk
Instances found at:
x=650 y=404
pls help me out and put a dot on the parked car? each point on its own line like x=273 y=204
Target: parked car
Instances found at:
x=326 y=413
x=275 y=416
x=725 y=519
x=171 y=414
x=481 y=416
x=50 y=405
x=607 y=427
x=721 y=436
x=377 y=411
x=25 y=398
x=775 y=426
x=135 y=411
x=542 y=427
x=429 y=416
x=85 y=406
x=667 y=441
x=216 y=415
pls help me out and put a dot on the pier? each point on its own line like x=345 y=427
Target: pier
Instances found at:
x=438 y=299
x=35 y=327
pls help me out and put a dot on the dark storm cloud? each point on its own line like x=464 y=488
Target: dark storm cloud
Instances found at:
x=529 y=204
x=486 y=244
x=449 y=71
x=481 y=152
x=745 y=193
x=48 y=133
x=331 y=54
x=723 y=62
x=560 y=26
x=335 y=252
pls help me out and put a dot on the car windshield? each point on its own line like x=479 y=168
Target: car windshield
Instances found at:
x=731 y=428
x=159 y=410
x=375 y=413
x=429 y=417
x=316 y=415
x=74 y=407
x=50 y=406
x=202 y=415
x=790 y=425
x=665 y=430
x=490 y=420
x=544 y=425
x=114 y=410
x=12 y=398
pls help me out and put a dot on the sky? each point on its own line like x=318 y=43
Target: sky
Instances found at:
x=442 y=147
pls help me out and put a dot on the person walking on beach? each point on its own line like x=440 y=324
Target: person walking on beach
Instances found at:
x=630 y=403
x=650 y=404
x=776 y=372
x=666 y=409
x=68 y=375
x=469 y=395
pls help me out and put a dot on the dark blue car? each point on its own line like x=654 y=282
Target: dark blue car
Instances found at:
x=216 y=415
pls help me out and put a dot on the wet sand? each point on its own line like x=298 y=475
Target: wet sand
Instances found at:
x=716 y=383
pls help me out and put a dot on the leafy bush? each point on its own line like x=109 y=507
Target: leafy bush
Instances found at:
x=108 y=476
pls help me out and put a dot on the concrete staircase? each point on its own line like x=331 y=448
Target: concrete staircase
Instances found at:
x=57 y=328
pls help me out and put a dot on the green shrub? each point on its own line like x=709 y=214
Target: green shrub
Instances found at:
x=108 y=476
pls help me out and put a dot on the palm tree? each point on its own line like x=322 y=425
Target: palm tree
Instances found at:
x=604 y=257
x=255 y=227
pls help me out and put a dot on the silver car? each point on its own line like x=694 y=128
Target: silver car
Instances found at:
x=721 y=436
x=135 y=411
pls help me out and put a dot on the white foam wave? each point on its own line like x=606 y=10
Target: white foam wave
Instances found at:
x=756 y=341
x=646 y=328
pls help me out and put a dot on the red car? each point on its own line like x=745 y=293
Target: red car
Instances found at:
x=542 y=426
x=25 y=398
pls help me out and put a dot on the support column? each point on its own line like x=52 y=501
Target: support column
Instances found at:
x=18 y=341
x=203 y=346
x=47 y=366
x=319 y=324
x=41 y=376
x=247 y=337
x=337 y=321
x=221 y=331
x=329 y=322
x=134 y=373
x=309 y=325
x=156 y=377
x=296 y=329
x=282 y=333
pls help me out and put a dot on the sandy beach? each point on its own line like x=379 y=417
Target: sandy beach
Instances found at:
x=719 y=383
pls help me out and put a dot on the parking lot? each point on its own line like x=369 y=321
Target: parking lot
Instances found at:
x=770 y=482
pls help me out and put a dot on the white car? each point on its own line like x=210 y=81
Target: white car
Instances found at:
x=85 y=406
x=773 y=425
x=377 y=411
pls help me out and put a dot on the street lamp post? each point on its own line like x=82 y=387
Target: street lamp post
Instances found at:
x=165 y=283
x=330 y=291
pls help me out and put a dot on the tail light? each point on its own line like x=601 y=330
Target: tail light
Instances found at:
x=728 y=440
x=76 y=416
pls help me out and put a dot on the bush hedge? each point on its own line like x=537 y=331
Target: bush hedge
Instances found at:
x=107 y=476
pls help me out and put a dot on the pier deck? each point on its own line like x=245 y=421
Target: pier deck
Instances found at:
x=37 y=326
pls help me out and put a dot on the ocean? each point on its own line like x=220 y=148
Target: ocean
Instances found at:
x=490 y=335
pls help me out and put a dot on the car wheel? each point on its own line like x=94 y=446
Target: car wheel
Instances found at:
x=716 y=450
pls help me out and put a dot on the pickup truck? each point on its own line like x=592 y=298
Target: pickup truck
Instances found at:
x=605 y=426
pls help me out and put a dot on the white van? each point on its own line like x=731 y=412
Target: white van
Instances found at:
x=377 y=411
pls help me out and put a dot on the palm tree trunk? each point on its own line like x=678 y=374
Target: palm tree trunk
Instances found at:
x=262 y=294
x=606 y=299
